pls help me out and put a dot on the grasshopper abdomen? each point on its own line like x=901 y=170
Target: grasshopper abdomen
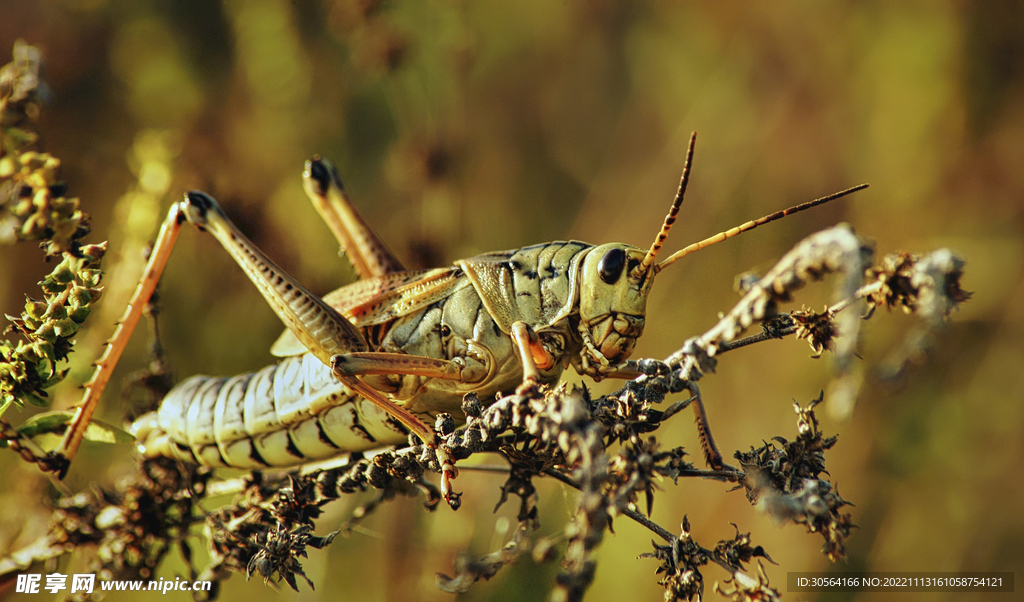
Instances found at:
x=265 y=418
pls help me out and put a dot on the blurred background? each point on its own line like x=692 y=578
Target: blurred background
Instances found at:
x=468 y=126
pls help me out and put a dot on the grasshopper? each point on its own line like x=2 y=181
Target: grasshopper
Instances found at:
x=377 y=360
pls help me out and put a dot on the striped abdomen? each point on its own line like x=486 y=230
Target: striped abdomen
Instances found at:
x=265 y=419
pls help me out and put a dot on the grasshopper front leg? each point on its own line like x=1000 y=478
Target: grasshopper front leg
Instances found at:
x=532 y=354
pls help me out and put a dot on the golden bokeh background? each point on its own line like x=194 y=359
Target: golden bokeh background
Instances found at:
x=468 y=126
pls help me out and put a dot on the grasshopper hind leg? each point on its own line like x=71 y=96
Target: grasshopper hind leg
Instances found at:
x=62 y=456
x=318 y=326
x=369 y=254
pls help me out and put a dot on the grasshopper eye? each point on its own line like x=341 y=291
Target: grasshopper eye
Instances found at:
x=610 y=266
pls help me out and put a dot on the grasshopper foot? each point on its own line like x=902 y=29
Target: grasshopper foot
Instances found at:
x=716 y=462
x=443 y=427
x=448 y=473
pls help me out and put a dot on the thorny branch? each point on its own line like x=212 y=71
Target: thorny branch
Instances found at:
x=605 y=448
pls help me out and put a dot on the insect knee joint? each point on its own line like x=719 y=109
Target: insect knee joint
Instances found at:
x=196 y=206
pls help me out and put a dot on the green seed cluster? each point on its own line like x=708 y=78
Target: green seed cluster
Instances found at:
x=33 y=207
x=37 y=203
x=48 y=328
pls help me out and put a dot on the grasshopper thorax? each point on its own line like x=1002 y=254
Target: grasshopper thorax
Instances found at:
x=613 y=302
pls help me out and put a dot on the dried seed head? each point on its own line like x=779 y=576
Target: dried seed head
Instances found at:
x=818 y=329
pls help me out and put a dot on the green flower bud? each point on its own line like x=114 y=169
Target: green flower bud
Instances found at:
x=55 y=311
x=79 y=296
x=65 y=327
x=22 y=208
x=91 y=278
x=63 y=273
x=46 y=333
x=94 y=252
x=80 y=314
x=35 y=309
x=42 y=350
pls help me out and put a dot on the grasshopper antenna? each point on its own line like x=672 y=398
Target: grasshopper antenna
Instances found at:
x=707 y=242
x=670 y=219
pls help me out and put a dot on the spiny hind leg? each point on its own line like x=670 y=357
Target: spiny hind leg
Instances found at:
x=369 y=255
x=321 y=329
x=94 y=388
x=317 y=325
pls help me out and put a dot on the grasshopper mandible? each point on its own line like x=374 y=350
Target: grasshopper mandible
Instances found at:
x=376 y=360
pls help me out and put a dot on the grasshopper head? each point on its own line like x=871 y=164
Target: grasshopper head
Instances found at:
x=613 y=301
x=615 y=280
